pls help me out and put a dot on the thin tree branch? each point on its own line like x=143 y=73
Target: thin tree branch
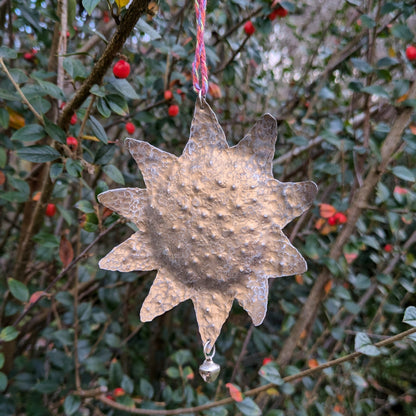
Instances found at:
x=137 y=9
x=20 y=92
x=256 y=390
x=237 y=26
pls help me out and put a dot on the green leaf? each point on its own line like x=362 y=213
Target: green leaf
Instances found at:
x=362 y=65
x=386 y=62
x=127 y=384
x=9 y=333
x=388 y=8
x=29 y=133
x=146 y=389
x=51 y=89
x=8 y=95
x=181 y=357
x=98 y=91
x=144 y=27
x=103 y=108
x=364 y=345
x=376 y=90
x=114 y=174
x=54 y=131
x=56 y=170
x=98 y=129
x=367 y=21
x=41 y=105
x=404 y=173
x=289 y=6
x=1 y=360
x=18 y=289
x=173 y=372
x=271 y=373
x=402 y=32
x=90 y=5
x=18 y=75
x=3 y=381
x=73 y=167
x=355 y=86
x=74 y=68
x=117 y=104
x=8 y=53
x=38 y=154
x=71 y=405
x=124 y=88
x=116 y=374
x=248 y=407
x=85 y=206
x=410 y=316
x=410 y=102
x=4 y=118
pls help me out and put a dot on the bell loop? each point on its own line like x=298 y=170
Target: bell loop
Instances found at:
x=207 y=350
x=209 y=370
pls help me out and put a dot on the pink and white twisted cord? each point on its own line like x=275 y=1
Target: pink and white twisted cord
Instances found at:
x=199 y=66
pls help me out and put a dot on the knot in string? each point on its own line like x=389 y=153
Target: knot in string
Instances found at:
x=199 y=66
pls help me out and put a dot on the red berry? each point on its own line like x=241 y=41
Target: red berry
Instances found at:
x=72 y=142
x=168 y=95
x=249 y=28
x=273 y=15
x=106 y=16
x=181 y=93
x=332 y=220
x=411 y=53
x=121 y=69
x=173 y=110
x=130 y=127
x=340 y=218
x=388 y=248
x=50 y=210
x=267 y=360
x=119 y=392
x=74 y=119
x=281 y=11
x=28 y=56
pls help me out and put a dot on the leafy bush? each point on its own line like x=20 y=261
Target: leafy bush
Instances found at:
x=337 y=78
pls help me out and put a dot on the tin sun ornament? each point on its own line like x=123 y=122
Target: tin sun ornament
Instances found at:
x=210 y=221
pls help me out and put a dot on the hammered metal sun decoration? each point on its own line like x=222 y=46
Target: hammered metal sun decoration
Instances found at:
x=210 y=221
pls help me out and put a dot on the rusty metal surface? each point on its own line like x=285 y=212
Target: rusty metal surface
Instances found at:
x=210 y=222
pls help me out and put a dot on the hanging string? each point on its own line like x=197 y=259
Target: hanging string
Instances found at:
x=199 y=66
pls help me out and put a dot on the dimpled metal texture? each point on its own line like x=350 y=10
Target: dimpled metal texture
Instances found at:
x=210 y=221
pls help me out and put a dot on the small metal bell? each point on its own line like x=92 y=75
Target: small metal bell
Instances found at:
x=208 y=369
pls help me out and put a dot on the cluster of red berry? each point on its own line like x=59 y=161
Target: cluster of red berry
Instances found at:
x=277 y=11
x=337 y=219
x=121 y=70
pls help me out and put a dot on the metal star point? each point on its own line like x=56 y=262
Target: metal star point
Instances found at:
x=210 y=221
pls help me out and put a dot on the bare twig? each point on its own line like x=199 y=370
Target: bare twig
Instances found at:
x=237 y=26
x=287 y=157
x=235 y=53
